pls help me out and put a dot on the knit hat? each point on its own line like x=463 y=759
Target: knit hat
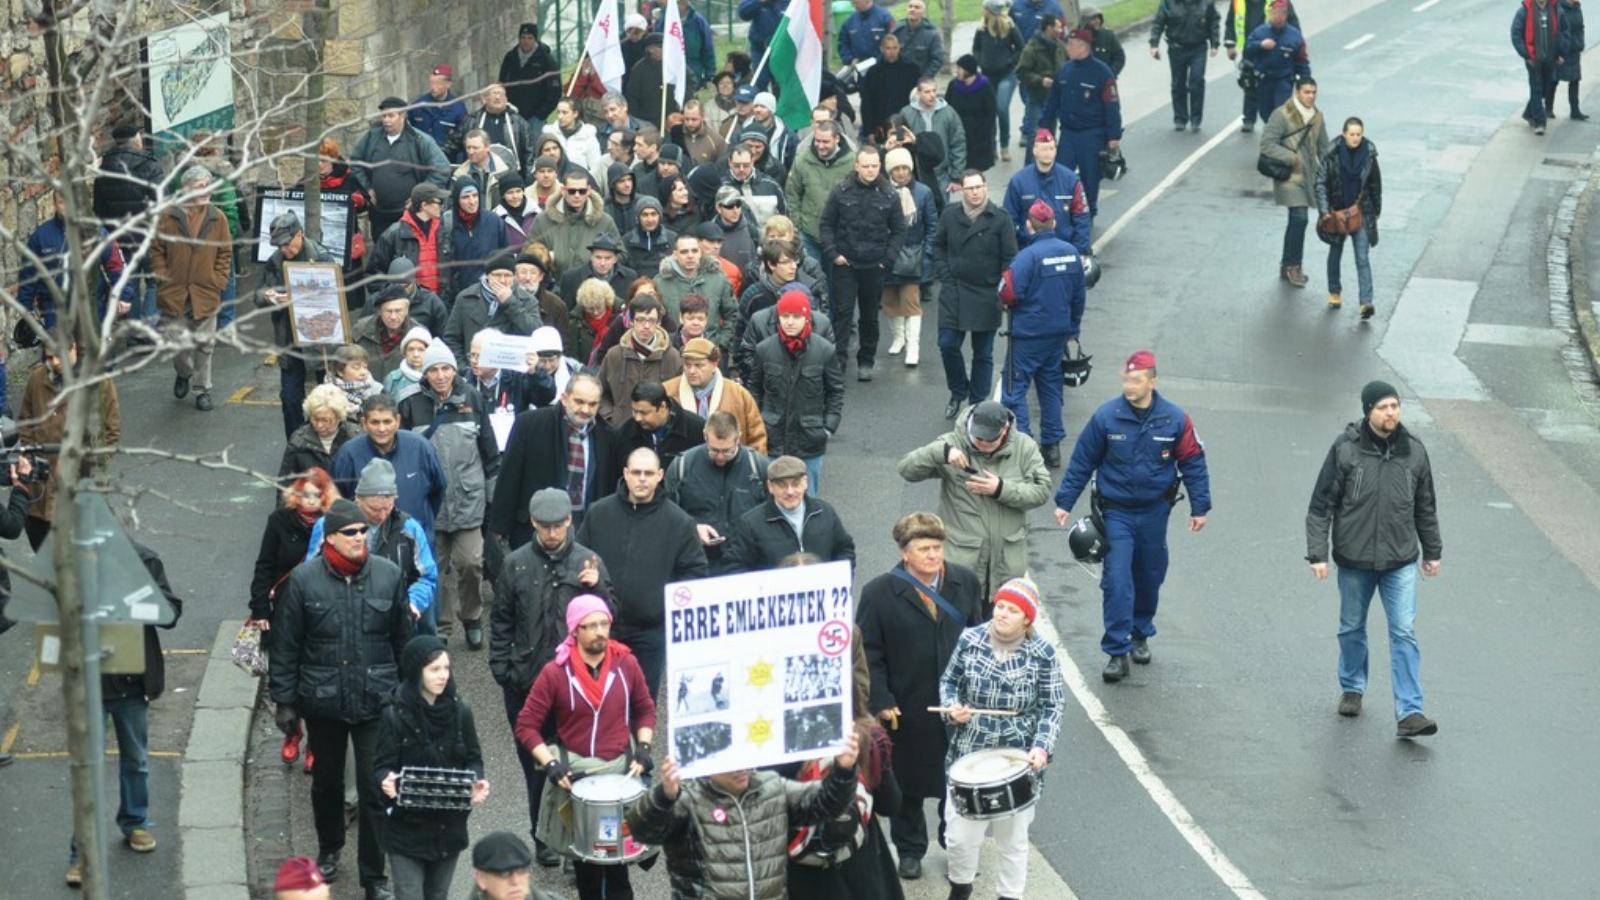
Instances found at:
x=342 y=514
x=465 y=187
x=402 y=270
x=377 y=480
x=1022 y=593
x=1041 y=212
x=298 y=873
x=437 y=354
x=582 y=607
x=549 y=506
x=794 y=303
x=124 y=133
x=1376 y=392
x=415 y=654
x=417 y=333
x=634 y=20
x=766 y=99
x=508 y=181
x=967 y=63
x=528 y=28
x=503 y=261
x=754 y=134
x=646 y=202
x=545 y=162
x=1142 y=361
x=896 y=158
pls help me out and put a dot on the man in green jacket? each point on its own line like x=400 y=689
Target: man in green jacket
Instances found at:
x=687 y=271
x=817 y=170
x=1041 y=59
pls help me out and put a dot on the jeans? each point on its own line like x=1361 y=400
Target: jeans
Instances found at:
x=973 y=389
x=1398 y=589
x=600 y=882
x=908 y=827
x=649 y=647
x=813 y=475
x=1541 y=79
x=1294 y=237
x=1188 y=83
x=421 y=879
x=1004 y=89
x=852 y=286
x=1030 y=122
x=1036 y=361
x=148 y=310
x=291 y=391
x=230 y=308
x=532 y=772
x=330 y=740
x=813 y=248
x=1358 y=242
x=130 y=719
x=1130 y=582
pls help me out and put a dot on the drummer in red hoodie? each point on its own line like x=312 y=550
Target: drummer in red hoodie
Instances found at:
x=593 y=698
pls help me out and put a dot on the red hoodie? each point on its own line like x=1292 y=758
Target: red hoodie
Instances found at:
x=601 y=733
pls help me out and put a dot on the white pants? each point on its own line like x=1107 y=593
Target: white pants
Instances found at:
x=963 y=838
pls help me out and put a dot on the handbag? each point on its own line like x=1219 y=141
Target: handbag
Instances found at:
x=247 y=653
x=1345 y=221
x=1276 y=169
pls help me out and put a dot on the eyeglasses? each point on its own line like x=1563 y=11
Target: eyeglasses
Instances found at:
x=577 y=192
x=353 y=531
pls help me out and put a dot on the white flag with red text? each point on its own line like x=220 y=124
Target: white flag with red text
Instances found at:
x=605 y=45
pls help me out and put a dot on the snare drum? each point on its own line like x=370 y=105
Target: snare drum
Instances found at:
x=599 y=827
x=993 y=784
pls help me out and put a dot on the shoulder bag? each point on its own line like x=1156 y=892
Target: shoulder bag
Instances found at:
x=1276 y=169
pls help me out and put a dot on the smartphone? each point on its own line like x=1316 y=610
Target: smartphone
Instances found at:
x=719 y=539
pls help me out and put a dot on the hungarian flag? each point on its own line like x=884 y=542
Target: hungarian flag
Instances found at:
x=675 y=60
x=796 y=62
x=605 y=47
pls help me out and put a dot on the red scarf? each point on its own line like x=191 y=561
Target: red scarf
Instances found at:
x=1529 y=23
x=594 y=686
x=470 y=220
x=795 y=345
x=600 y=324
x=342 y=566
x=309 y=516
x=427 y=251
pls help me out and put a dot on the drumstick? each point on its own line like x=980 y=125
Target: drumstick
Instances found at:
x=976 y=712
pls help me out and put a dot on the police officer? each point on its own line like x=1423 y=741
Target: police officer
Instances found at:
x=1084 y=99
x=1242 y=18
x=1144 y=449
x=1044 y=290
x=1056 y=185
x=1278 y=51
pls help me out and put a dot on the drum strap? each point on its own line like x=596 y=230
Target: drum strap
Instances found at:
x=949 y=610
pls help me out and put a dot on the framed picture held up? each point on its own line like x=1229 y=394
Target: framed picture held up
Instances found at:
x=317 y=310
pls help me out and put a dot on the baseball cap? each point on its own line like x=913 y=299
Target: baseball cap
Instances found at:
x=1140 y=361
x=727 y=194
x=745 y=94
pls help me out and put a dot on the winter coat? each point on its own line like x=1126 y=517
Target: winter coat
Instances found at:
x=191 y=268
x=763 y=16
x=986 y=534
x=862 y=223
x=619 y=280
x=762 y=324
x=718 y=495
x=1330 y=187
x=969 y=258
x=568 y=236
x=437 y=118
x=1027 y=13
x=129 y=183
x=1547 y=48
x=907 y=648
x=649 y=250
x=923 y=46
x=464 y=442
x=427 y=310
x=741 y=240
x=43 y=421
x=647 y=545
x=400 y=239
x=861 y=35
x=1044 y=285
x=283 y=546
x=801 y=398
x=729 y=397
x=811 y=180
x=1062 y=189
x=1571 y=66
x=1107 y=48
x=390 y=171
x=914 y=265
x=762 y=537
x=884 y=90
x=407 y=739
x=529 y=616
x=536 y=457
x=1027 y=683
x=708 y=282
x=1042 y=58
x=623 y=368
x=1376 y=497
x=997 y=56
x=1186 y=24
x=304 y=450
x=470 y=314
x=1286 y=139
x=535 y=86
x=641 y=87
x=722 y=847
x=582 y=146
x=48 y=243
x=976 y=107
x=421 y=477
x=946 y=123
x=366 y=334
x=470 y=249
x=336 y=641
x=516 y=226
x=684 y=431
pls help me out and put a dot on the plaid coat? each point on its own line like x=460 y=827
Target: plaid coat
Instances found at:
x=1029 y=681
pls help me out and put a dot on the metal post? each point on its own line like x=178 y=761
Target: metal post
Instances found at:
x=88 y=563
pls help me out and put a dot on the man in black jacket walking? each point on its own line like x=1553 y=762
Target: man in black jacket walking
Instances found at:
x=1189 y=26
x=973 y=247
x=788 y=523
x=390 y=160
x=531 y=77
x=647 y=543
x=861 y=230
x=660 y=424
x=1375 y=492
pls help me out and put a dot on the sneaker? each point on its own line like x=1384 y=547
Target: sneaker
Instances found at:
x=1538 y=129
x=1195 y=125
x=1296 y=276
x=1350 y=704
x=1247 y=126
x=1335 y=300
x=180 y=387
x=1416 y=725
x=328 y=864
x=1005 y=153
x=864 y=372
x=141 y=841
x=75 y=874
x=1366 y=311
x=202 y=401
x=1179 y=126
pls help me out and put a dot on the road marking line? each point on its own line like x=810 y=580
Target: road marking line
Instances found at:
x=1161 y=187
x=1360 y=40
x=1423 y=7
x=33 y=674
x=110 y=751
x=10 y=738
x=1169 y=804
x=186 y=651
x=239 y=395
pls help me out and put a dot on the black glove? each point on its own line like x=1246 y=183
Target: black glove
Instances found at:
x=641 y=755
x=555 y=770
x=288 y=721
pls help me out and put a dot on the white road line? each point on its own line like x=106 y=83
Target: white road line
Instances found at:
x=1110 y=234
x=1421 y=7
x=1169 y=804
x=1363 y=39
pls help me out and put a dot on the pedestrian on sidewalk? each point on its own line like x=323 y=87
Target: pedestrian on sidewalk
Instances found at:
x=1000 y=665
x=1375 y=495
x=1157 y=456
x=341 y=623
x=998 y=47
x=1540 y=33
x=192 y=260
x=1570 y=69
x=1189 y=25
x=1296 y=136
x=1349 y=179
x=426 y=724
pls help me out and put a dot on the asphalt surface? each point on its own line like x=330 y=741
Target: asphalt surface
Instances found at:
x=1235 y=719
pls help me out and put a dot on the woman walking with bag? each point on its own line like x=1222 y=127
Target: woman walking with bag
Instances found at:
x=998 y=47
x=1349 y=193
x=1294 y=140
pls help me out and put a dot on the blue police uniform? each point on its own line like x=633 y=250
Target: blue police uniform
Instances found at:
x=1044 y=285
x=1062 y=190
x=1084 y=99
x=438 y=118
x=1279 y=67
x=1139 y=455
x=861 y=33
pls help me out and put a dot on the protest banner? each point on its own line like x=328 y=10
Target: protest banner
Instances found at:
x=758 y=668
x=508 y=352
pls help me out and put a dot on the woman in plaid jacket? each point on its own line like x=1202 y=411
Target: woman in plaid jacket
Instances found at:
x=1000 y=665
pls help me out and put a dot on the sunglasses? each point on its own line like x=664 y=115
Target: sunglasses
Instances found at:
x=577 y=192
x=733 y=205
x=353 y=531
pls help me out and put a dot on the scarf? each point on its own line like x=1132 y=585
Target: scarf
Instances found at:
x=795 y=345
x=577 y=461
x=387 y=341
x=592 y=683
x=516 y=212
x=642 y=348
x=908 y=204
x=341 y=565
x=308 y=516
x=973 y=212
x=468 y=220
x=978 y=83
x=599 y=323
x=1351 y=162
x=1307 y=113
x=488 y=296
x=702 y=396
x=1004 y=648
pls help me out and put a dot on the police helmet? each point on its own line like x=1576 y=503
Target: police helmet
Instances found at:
x=1112 y=164
x=1075 y=369
x=1091 y=271
x=1087 y=540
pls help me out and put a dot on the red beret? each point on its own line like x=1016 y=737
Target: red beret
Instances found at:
x=1140 y=361
x=443 y=70
x=298 y=873
x=1040 y=211
x=794 y=303
x=1044 y=135
x=1081 y=34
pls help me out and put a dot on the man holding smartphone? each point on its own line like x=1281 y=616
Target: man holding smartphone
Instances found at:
x=717 y=482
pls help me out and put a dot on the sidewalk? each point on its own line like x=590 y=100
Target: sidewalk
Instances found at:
x=211 y=809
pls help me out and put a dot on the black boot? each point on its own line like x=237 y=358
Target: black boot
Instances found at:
x=1578 y=115
x=1052 y=455
x=1141 y=651
x=960 y=891
x=1116 y=669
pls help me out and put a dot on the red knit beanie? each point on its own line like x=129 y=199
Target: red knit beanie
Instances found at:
x=794 y=303
x=1023 y=594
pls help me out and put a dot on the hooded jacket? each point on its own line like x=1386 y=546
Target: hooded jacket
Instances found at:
x=529 y=616
x=1376 y=497
x=472 y=245
x=811 y=180
x=129 y=183
x=649 y=544
x=708 y=282
x=568 y=236
x=458 y=427
x=599 y=731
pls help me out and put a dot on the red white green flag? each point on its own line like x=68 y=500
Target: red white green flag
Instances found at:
x=796 y=62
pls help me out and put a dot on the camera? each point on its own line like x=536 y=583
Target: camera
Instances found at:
x=12 y=451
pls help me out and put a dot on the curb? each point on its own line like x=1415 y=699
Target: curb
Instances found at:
x=211 y=808
x=1567 y=274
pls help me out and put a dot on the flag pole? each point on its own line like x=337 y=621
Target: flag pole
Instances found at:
x=573 y=84
x=756 y=72
x=663 y=119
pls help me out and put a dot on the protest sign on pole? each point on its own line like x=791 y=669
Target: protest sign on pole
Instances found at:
x=758 y=668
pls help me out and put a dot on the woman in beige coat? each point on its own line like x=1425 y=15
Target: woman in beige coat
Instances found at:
x=1296 y=136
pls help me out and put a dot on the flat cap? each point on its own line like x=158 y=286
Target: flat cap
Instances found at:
x=785 y=467
x=500 y=852
x=547 y=507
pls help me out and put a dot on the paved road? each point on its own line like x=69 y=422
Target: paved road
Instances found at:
x=1234 y=721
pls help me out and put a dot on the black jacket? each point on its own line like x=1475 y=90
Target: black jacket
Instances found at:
x=970 y=257
x=1186 y=23
x=1377 y=498
x=648 y=250
x=801 y=398
x=977 y=110
x=683 y=431
x=518 y=315
x=407 y=738
x=1330 y=190
x=12 y=519
x=336 y=641
x=1107 y=48
x=762 y=537
x=153 y=681
x=128 y=187
x=620 y=278
x=304 y=450
x=997 y=56
x=536 y=457
x=646 y=546
x=507 y=128
x=390 y=171
x=762 y=322
x=907 y=652
x=272 y=279
x=283 y=547
x=534 y=87
x=529 y=618
x=862 y=223
x=717 y=495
